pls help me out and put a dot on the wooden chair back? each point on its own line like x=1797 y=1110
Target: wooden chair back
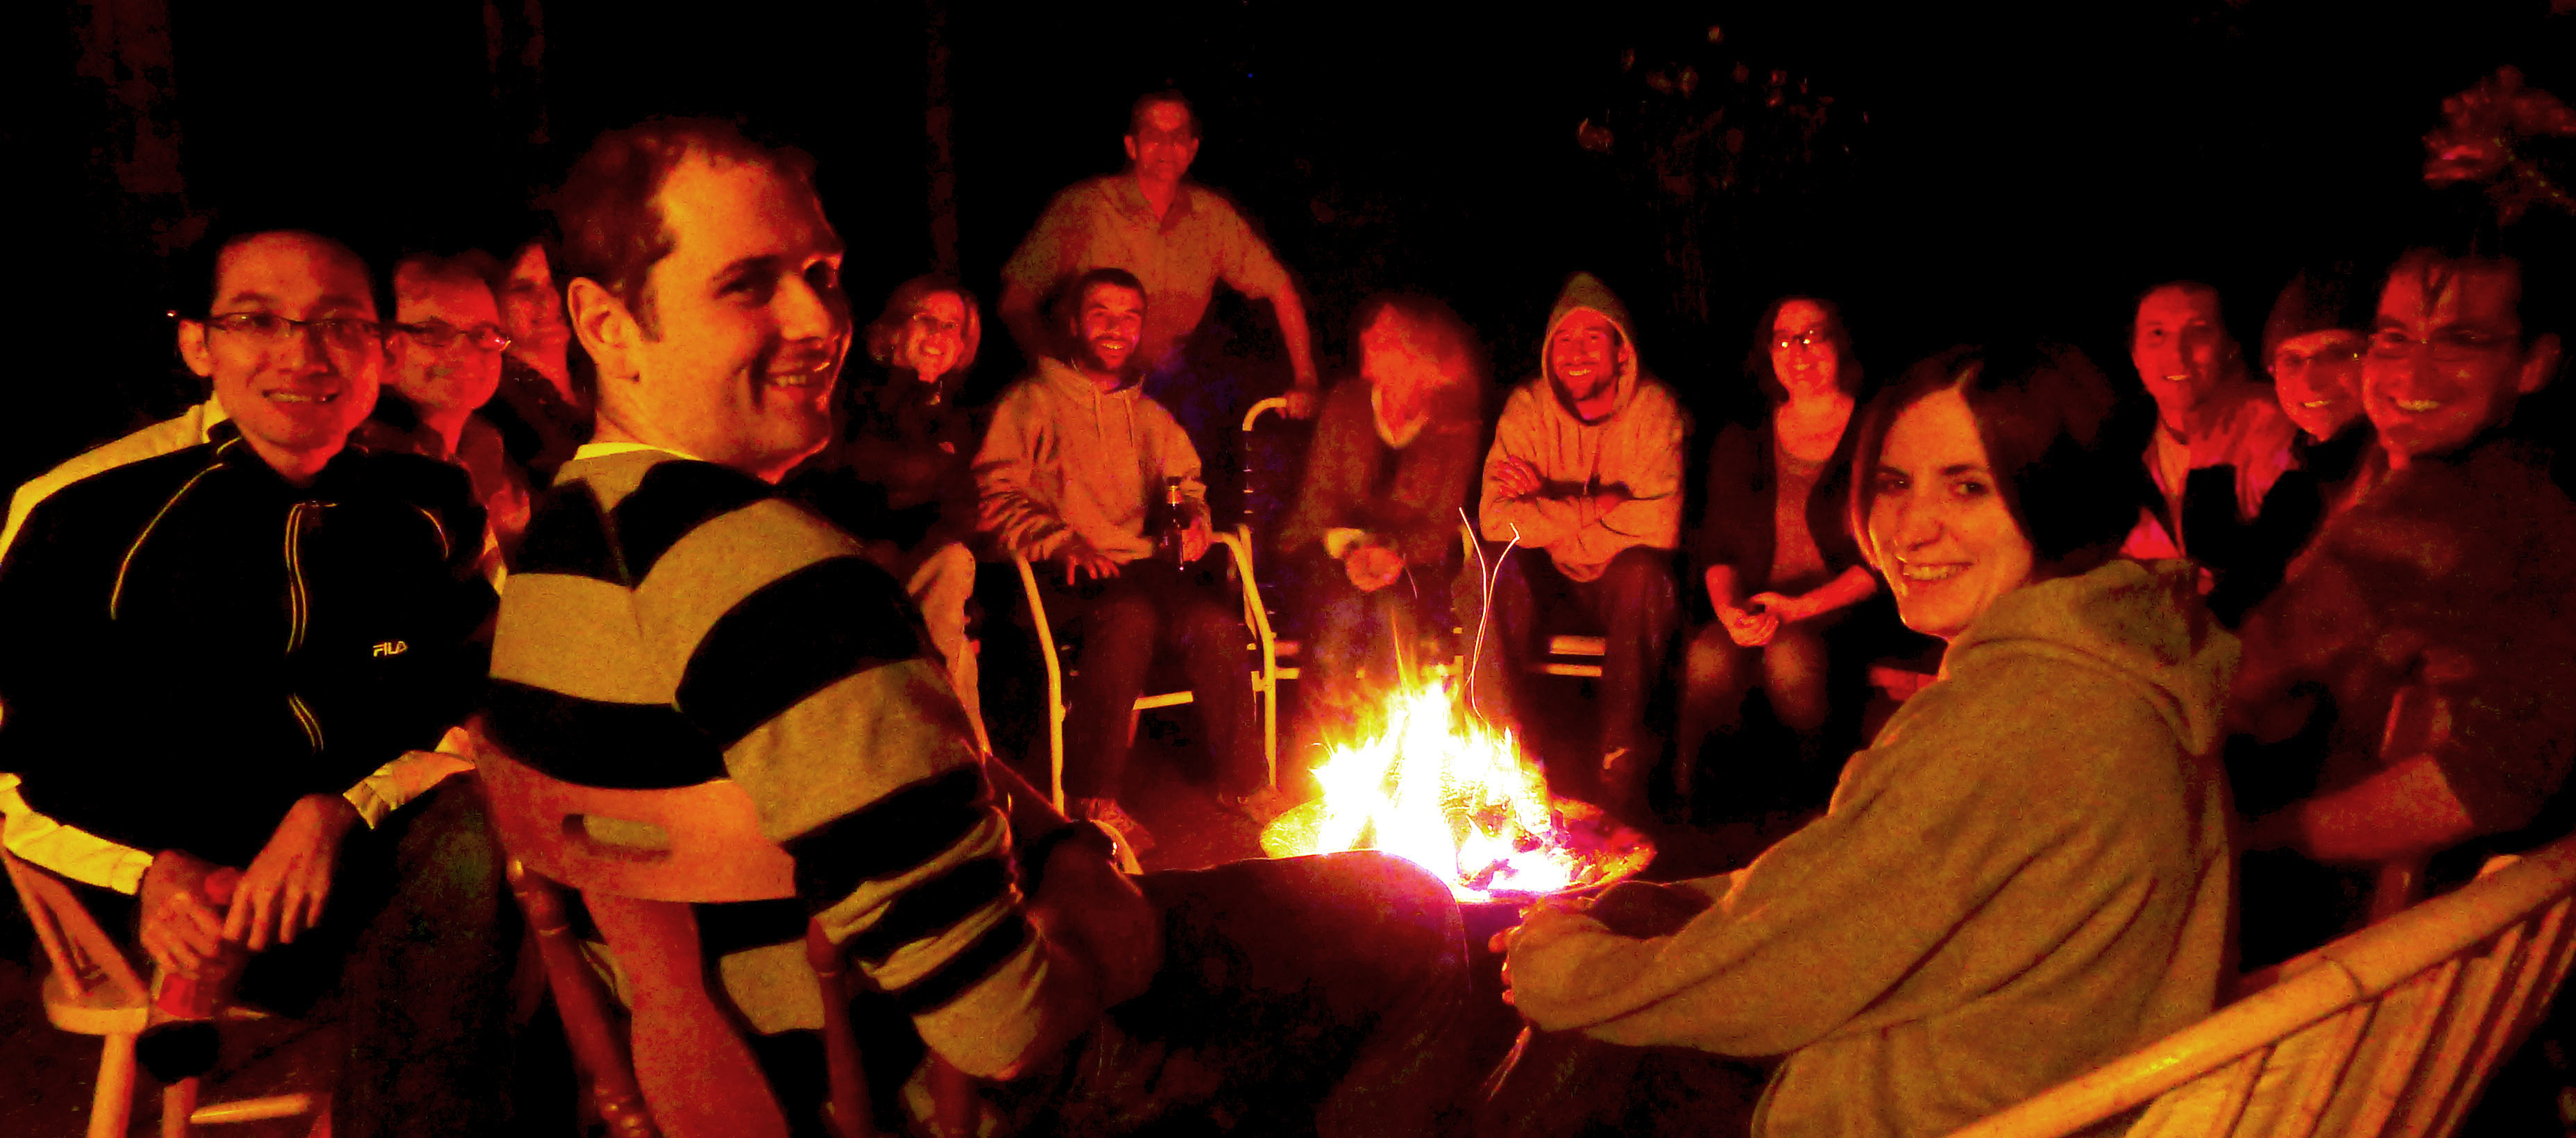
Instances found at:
x=2393 y=1030
x=681 y=1071
x=89 y=970
x=93 y=989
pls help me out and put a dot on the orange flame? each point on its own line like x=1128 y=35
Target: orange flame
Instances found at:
x=1451 y=794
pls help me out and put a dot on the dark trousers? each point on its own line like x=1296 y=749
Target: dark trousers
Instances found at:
x=1634 y=604
x=415 y=949
x=1321 y=995
x=1563 y=1084
x=1120 y=623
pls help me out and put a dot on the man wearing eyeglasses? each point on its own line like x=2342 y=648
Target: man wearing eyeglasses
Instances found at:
x=2432 y=612
x=443 y=363
x=229 y=638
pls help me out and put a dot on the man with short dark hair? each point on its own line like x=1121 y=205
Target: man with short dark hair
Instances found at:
x=230 y=637
x=2431 y=613
x=1073 y=474
x=673 y=619
x=443 y=357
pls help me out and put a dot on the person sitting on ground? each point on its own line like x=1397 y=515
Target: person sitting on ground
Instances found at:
x=676 y=620
x=1376 y=526
x=1074 y=470
x=1586 y=468
x=2218 y=430
x=898 y=475
x=1775 y=550
x=2422 y=643
x=443 y=362
x=2025 y=874
x=183 y=700
x=542 y=408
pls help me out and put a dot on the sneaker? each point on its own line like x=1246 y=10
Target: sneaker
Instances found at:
x=1106 y=811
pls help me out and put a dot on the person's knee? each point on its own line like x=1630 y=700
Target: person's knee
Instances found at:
x=1713 y=661
x=1419 y=916
x=1641 y=578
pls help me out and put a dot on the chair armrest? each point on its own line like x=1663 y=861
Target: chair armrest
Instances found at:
x=1266 y=406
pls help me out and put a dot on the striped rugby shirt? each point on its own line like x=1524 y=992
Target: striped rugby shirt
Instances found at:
x=673 y=621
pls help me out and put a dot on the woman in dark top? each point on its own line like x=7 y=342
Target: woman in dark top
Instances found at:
x=1775 y=550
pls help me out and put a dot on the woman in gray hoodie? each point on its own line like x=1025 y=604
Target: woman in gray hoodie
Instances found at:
x=2027 y=872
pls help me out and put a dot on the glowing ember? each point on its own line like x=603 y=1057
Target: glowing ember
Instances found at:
x=1451 y=794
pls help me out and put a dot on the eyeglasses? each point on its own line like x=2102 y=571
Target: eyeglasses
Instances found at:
x=1807 y=339
x=2451 y=345
x=344 y=333
x=439 y=335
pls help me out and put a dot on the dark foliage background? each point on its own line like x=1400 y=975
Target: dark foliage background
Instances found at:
x=2008 y=165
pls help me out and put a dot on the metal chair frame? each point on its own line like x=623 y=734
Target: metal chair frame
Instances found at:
x=1263 y=676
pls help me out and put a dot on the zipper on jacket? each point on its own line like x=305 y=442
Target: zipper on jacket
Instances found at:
x=304 y=718
x=299 y=600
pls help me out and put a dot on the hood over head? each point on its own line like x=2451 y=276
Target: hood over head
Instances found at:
x=1585 y=291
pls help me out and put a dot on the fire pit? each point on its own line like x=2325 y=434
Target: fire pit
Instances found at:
x=1441 y=789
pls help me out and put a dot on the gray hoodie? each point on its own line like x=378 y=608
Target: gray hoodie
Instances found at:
x=1062 y=459
x=2026 y=874
x=1637 y=446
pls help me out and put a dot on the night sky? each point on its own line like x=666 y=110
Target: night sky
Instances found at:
x=1999 y=169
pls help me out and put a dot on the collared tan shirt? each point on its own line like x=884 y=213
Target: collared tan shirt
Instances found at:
x=1105 y=221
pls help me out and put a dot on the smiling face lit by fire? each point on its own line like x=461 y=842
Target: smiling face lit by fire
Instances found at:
x=732 y=354
x=294 y=397
x=1938 y=528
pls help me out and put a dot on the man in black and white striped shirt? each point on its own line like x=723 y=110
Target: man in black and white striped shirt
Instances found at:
x=673 y=621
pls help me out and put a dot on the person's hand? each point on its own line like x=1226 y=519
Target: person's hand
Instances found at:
x=1302 y=399
x=1096 y=915
x=1788 y=609
x=1373 y=567
x=1196 y=539
x=1083 y=563
x=182 y=932
x=1750 y=626
x=1608 y=498
x=1517 y=478
x=1542 y=911
x=282 y=893
x=2278 y=830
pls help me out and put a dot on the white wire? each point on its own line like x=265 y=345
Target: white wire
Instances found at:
x=1476 y=654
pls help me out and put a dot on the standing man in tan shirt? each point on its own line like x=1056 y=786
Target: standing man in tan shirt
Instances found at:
x=1179 y=239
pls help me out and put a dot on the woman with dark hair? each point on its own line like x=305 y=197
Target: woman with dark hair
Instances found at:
x=896 y=473
x=542 y=412
x=2024 y=875
x=1773 y=548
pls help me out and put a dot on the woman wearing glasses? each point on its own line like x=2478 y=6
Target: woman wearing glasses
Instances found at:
x=895 y=475
x=1774 y=549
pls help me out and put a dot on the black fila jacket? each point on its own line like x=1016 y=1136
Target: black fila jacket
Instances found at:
x=188 y=644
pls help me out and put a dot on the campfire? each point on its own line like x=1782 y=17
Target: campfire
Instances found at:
x=1443 y=790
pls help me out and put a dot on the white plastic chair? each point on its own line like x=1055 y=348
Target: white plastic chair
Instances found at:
x=1260 y=675
x=2390 y=1031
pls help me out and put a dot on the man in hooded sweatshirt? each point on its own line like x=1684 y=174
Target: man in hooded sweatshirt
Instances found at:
x=1586 y=468
x=1072 y=475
